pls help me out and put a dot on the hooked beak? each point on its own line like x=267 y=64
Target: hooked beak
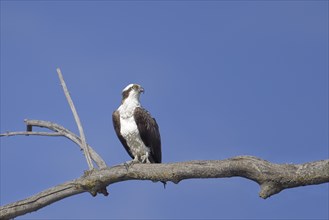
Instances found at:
x=141 y=90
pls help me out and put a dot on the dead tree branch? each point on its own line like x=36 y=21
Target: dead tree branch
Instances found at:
x=27 y=133
x=58 y=130
x=84 y=145
x=272 y=178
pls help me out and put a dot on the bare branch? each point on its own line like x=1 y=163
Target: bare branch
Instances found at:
x=84 y=145
x=58 y=131
x=68 y=134
x=27 y=133
x=272 y=178
x=39 y=200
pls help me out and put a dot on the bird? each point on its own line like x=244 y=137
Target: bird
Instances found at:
x=136 y=129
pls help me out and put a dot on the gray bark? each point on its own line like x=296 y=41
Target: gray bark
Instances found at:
x=272 y=178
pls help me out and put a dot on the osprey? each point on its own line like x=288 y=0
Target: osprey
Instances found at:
x=136 y=129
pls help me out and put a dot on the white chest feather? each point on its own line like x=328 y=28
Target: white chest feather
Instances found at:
x=131 y=134
x=129 y=130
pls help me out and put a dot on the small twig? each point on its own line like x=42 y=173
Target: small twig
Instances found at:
x=58 y=132
x=7 y=134
x=84 y=145
x=68 y=134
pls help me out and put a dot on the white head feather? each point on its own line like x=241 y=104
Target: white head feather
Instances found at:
x=130 y=99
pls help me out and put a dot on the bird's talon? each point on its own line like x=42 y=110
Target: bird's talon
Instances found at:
x=128 y=164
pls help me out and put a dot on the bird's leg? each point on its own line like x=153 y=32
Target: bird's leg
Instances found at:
x=145 y=158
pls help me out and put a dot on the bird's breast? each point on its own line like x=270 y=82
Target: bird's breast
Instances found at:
x=128 y=127
x=130 y=133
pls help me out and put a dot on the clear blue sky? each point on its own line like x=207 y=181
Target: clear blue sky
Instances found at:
x=222 y=78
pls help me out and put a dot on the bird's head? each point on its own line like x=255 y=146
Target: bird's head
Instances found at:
x=132 y=91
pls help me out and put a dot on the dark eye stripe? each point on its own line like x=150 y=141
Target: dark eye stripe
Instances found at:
x=125 y=93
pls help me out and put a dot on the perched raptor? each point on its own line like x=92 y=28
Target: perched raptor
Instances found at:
x=135 y=127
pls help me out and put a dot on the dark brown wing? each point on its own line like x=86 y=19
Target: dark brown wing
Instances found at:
x=117 y=127
x=149 y=132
